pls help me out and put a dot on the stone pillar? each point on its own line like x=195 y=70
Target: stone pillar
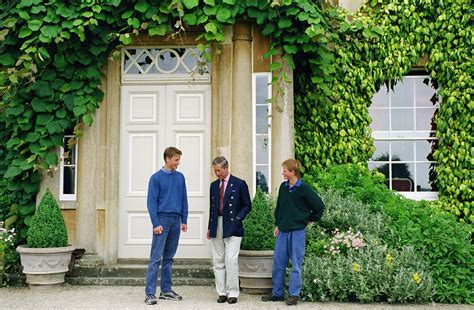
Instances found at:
x=241 y=160
x=283 y=140
x=87 y=183
x=110 y=147
x=221 y=98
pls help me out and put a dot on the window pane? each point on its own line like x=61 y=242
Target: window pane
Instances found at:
x=402 y=95
x=261 y=89
x=380 y=119
x=69 y=152
x=423 y=93
x=402 y=119
x=380 y=99
x=262 y=119
x=425 y=177
x=69 y=180
x=381 y=151
x=402 y=177
x=425 y=149
x=403 y=151
x=262 y=178
x=424 y=119
x=262 y=149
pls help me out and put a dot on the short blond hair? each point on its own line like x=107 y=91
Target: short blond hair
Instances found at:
x=292 y=165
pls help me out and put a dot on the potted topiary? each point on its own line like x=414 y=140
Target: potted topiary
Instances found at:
x=258 y=243
x=46 y=256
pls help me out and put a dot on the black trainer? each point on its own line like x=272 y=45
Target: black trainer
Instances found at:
x=270 y=297
x=171 y=295
x=150 y=299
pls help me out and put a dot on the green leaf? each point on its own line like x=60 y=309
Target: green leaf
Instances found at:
x=10 y=22
x=190 y=3
x=210 y=2
x=24 y=32
x=50 y=31
x=54 y=127
x=284 y=23
x=275 y=66
x=6 y=59
x=190 y=19
x=42 y=89
x=231 y=2
x=44 y=118
x=127 y=14
x=87 y=119
x=3 y=34
x=12 y=171
x=51 y=159
x=141 y=6
x=126 y=39
x=223 y=15
x=32 y=137
x=160 y=30
x=290 y=49
x=211 y=27
x=35 y=24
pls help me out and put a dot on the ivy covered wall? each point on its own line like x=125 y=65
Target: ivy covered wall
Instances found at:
x=52 y=52
x=378 y=44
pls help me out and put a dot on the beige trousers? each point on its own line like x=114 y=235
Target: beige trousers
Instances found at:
x=225 y=258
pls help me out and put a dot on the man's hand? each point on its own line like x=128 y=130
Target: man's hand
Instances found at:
x=158 y=230
x=275 y=232
x=208 y=234
x=184 y=227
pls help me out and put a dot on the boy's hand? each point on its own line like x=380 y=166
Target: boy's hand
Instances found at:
x=275 y=232
x=208 y=234
x=158 y=230
x=184 y=227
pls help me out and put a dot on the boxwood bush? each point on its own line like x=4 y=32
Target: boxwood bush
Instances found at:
x=259 y=224
x=47 y=229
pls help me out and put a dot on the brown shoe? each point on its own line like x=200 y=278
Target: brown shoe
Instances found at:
x=232 y=300
x=270 y=297
x=222 y=299
x=291 y=300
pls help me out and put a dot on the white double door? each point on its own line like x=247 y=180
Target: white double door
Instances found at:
x=154 y=117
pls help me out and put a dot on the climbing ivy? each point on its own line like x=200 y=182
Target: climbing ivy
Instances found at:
x=52 y=53
x=380 y=43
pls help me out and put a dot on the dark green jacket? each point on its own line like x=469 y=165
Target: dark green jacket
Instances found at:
x=296 y=208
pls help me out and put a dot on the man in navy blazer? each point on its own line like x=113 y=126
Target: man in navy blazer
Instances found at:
x=229 y=205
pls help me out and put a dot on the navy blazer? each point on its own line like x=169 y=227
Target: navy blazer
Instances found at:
x=236 y=206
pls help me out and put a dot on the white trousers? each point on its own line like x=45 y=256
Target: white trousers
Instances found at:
x=225 y=260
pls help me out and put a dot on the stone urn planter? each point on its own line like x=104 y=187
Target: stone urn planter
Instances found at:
x=45 y=266
x=255 y=271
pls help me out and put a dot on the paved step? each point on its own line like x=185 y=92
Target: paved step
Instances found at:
x=90 y=271
x=112 y=281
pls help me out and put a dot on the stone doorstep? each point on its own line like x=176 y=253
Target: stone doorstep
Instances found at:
x=91 y=271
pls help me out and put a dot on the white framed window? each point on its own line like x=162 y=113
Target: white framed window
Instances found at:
x=261 y=93
x=68 y=169
x=403 y=126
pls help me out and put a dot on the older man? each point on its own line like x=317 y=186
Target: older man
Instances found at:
x=229 y=204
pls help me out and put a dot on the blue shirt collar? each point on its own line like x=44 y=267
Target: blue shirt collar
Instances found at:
x=167 y=171
x=291 y=188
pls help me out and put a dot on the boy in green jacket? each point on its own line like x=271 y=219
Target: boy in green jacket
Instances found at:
x=297 y=206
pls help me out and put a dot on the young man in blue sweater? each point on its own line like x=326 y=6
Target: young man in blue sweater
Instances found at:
x=297 y=206
x=167 y=205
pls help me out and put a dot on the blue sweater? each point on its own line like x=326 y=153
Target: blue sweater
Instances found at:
x=167 y=195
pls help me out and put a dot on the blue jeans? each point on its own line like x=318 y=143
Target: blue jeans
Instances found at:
x=163 y=249
x=288 y=245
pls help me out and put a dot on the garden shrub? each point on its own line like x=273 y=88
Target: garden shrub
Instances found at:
x=357 y=198
x=444 y=243
x=259 y=224
x=374 y=274
x=47 y=229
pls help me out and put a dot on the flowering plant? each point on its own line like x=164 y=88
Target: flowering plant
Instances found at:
x=6 y=237
x=343 y=241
